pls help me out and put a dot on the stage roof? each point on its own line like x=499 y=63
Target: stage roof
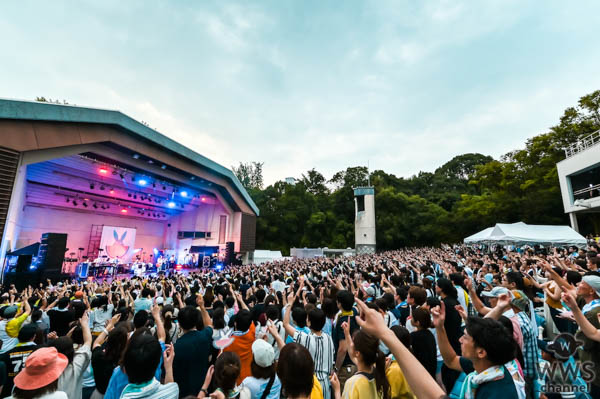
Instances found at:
x=40 y=111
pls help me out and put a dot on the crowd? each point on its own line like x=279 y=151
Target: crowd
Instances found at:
x=452 y=322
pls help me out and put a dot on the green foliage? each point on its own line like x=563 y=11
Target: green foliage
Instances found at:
x=250 y=175
x=467 y=194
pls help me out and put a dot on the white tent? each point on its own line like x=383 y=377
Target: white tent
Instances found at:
x=264 y=256
x=527 y=234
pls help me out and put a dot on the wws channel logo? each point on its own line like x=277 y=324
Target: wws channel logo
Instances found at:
x=561 y=372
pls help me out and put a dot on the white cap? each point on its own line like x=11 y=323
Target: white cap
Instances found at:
x=264 y=354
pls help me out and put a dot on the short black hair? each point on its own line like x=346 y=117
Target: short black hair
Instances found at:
x=141 y=358
x=492 y=336
x=188 y=317
x=317 y=319
x=27 y=332
x=243 y=319
x=402 y=334
x=299 y=316
x=140 y=319
x=447 y=288
x=272 y=312
x=345 y=299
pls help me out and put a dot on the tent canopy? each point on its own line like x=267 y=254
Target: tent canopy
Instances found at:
x=527 y=234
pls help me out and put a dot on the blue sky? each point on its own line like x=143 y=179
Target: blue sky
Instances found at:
x=403 y=85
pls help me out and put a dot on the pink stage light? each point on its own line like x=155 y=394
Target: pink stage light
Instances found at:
x=112 y=191
x=123 y=210
x=203 y=199
x=103 y=171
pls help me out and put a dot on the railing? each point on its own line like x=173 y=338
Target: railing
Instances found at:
x=583 y=144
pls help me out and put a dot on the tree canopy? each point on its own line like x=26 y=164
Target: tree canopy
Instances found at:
x=466 y=194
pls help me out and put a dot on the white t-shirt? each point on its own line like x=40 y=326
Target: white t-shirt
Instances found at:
x=71 y=380
x=257 y=386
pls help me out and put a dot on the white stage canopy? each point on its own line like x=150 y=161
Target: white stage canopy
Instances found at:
x=527 y=234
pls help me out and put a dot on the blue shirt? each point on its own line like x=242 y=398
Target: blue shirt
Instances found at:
x=118 y=380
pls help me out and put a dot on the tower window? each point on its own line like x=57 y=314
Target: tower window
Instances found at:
x=360 y=203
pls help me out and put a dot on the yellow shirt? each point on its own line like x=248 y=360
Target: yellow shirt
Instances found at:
x=398 y=384
x=360 y=387
x=14 y=325
x=317 y=390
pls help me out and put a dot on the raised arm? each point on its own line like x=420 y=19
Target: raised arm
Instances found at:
x=205 y=317
x=585 y=325
x=161 y=334
x=420 y=381
x=104 y=334
x=289 y=330
x=451 y=360
x=85 y=327
x=479 y=306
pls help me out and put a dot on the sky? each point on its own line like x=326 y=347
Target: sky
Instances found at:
x=403 y=86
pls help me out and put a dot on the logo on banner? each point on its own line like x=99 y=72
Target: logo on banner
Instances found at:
x=117 y=249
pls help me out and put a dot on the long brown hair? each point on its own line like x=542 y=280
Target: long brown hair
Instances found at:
x=368 y=347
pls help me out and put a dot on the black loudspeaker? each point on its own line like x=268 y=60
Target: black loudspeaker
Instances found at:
x=52 y=253
x=23 y=263
x=229 y=253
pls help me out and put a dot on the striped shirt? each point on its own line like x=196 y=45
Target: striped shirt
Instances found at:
x=151 y=390
x=531 y=352
x=322 y=351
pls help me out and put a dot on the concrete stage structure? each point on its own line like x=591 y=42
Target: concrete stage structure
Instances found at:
x=579 y=177
x=72 y=170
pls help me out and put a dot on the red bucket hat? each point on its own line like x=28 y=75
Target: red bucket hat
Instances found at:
x=42 y=367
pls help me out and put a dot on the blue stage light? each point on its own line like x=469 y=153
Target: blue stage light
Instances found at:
x=171 y=204
x=184 y=194
x=143 y=182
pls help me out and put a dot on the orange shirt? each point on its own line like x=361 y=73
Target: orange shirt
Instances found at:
x=242 y=345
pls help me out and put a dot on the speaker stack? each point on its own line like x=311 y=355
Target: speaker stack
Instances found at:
x=229 y=253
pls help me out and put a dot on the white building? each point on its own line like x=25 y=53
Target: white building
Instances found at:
x=579 y=176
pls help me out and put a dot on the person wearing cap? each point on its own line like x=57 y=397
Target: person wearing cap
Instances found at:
x=11 y=324
x=263 y=383
x=14 y=359
x=39 y=378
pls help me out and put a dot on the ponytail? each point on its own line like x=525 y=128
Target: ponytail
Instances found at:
x=383 y=385
x=368 y=346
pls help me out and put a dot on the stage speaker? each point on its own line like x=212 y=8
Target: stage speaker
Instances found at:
x=51 y=253
x=23 y=263
x=229 y=253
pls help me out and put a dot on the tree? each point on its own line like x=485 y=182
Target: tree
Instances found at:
x=49 y=100
x=250 y=175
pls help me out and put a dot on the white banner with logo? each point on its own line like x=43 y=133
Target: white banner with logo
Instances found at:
x=118 y=243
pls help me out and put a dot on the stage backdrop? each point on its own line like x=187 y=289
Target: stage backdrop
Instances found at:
x=118 y=242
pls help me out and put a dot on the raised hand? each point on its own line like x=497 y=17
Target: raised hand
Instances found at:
x=438 y=315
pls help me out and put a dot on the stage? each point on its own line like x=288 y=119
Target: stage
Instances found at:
x=115 y=190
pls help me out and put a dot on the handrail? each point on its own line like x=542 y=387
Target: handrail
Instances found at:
x=583 y=144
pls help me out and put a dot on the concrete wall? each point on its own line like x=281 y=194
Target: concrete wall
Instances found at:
x=584 y=160
x=364 y=223
x=35 y=221
x=206 y=218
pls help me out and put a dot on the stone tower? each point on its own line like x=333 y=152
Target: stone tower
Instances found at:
x=364 y=220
